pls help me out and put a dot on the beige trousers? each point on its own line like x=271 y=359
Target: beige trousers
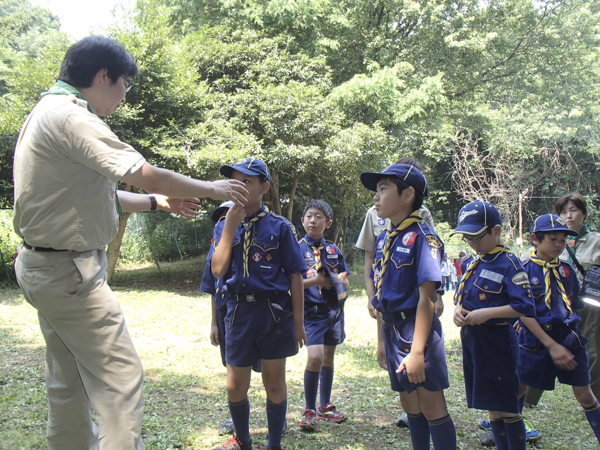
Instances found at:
x=91 y=363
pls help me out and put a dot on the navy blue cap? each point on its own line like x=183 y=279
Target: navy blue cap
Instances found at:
x=476 y=217
x=407 y=173
x=249 y=166
x=216 y=214
x=551 y=222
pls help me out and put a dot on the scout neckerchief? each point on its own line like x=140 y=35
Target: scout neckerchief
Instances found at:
x=572 y=242
x=551 y=267
x=458 y=297
x=248 y=225
x=62 y=88
x=316 y=247
x=390 y=236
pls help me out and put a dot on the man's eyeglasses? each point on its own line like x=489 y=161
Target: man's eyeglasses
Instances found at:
x=129 y=83
x=476 y=239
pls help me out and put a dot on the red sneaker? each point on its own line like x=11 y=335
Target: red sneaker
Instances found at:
x=330 y=413
x=308 y=422
x=234 y=444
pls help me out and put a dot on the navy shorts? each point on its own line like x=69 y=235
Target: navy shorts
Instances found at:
x=398 y=337
x=490 y=360
x=324 y=326
x=262 y=329
x=221 y=313
x=537 y=368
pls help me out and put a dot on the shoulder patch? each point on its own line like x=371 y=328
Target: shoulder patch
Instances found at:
x=521 y=279
x=434 y=241
x=287 y=222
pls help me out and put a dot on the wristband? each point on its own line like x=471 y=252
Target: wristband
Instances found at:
x=153 y=203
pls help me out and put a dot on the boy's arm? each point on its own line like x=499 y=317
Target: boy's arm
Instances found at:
x=214 y=330
x=297 y=292
x=482 y=315
x=221 y=259
x=369 y=283
x=563 y=358
x=380 y=346
x=414 y=362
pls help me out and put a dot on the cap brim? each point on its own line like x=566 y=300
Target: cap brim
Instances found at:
x=469 y=230
x=369 y=180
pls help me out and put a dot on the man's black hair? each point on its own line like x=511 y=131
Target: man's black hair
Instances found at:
x=85 y=58
x=401 y=185
x=321 y=206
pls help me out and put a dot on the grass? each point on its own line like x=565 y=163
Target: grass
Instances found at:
x=185 y=396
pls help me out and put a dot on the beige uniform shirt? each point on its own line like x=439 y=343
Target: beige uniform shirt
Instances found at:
x=374 y=225
x=66 y=168
x=587 y=252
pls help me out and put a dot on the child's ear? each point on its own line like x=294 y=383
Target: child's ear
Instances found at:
x=409 y=194
x=265 y=188
x=329 y=223
x=497 y=230
x=534 y=240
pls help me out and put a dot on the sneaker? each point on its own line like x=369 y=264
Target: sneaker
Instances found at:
x=226 y=427
x=485 y=425
x=487 y=439
x=234 y=444
x=531 y=434
x=330 y=413
x=402 y=420
x=308 y=422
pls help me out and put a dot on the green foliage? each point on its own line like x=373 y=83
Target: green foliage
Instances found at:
x=8 y=245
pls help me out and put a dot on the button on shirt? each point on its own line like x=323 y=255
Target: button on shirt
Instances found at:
x=66 y=168
x=499 y=281
x=416 y=257
x=274 y=255
x=558 y=311
x=331 y=258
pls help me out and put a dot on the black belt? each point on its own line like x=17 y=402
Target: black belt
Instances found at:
x=398 y=316
x=555 y=326
x=248 y=298
x=41 y=249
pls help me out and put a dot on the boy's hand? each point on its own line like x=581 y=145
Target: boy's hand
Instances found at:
x=235 y=216
x=300 y=334
x=460 y=315
x=381 y=356
x=414 y=364
x=324 y=281
x=371 y=308
x=563 y=358
x=439 y=306
x=214 y=335
x=478 y=316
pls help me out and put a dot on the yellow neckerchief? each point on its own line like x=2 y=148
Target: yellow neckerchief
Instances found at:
x=389 y=240
x=317 y=247
x=248 y=226
x=551 y=267
x=458 y=297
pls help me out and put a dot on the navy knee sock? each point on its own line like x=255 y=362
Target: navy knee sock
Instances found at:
x=275 y=420
x=419 y=431
x=593 y=416
x=515 y=433
x=443 y=433
x=311 y=386
x=240 y=415
x=326 y=380
x=499 y=434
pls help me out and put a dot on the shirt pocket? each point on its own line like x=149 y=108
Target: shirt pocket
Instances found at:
x=527 y=340
x=488 y=286
x=265 y=254
x=401 y=257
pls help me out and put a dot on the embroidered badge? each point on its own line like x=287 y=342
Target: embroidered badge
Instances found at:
x=434 y=241
x=402 y=250
x=482 y=296
x=561 y=221
x=311 y=273
x=409 y=238
x=564 y=271
x=329 y=249
x=535 y=281
x=434 y=252
x=308 y=255
x=257 y=257
x=381 y=222
x=268 y=257
x=376 y=276
x=465 y=214
x=521 y=279
x=380 y=244
x=334 y=270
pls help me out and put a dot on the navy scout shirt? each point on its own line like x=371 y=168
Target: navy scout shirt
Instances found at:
x=499 y=279
x=330 y=257
x=558 y=311
x=210 y=284
x=273 y=255
x=416 y=257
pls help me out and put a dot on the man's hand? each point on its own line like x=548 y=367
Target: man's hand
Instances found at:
x=563 y=358
x=414 y=364
x=185 y=207
x=460 y=315
x=233 y=190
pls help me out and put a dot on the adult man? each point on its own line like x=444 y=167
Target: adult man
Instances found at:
x=66 y=167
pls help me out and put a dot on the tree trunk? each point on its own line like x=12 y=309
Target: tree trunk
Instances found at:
x=274 y=193
x=292 y=195
x=114 y=248
x=351 y=255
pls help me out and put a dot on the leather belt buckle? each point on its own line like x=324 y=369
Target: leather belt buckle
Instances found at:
x=250 y=298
